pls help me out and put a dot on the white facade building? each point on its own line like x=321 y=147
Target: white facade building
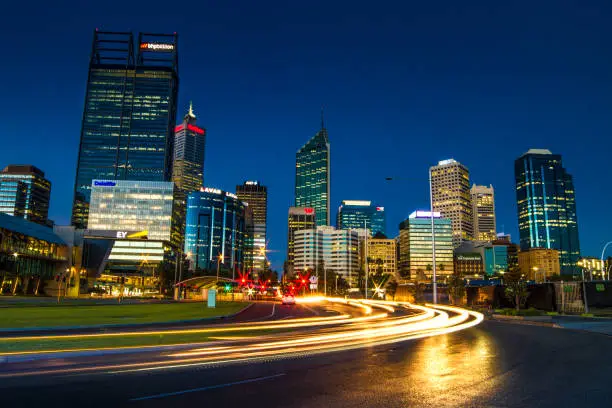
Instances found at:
x=334 y=250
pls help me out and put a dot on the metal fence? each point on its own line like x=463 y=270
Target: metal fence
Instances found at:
x=569 y=297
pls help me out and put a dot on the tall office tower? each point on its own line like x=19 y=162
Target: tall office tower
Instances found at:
x=127 y=131
x=354 y=214
x=483 y=209
x=25 y=193
x=256 y=196
x=189 y=148
x=450 y=184
x=415 y=246
x=312 y=175
x=326 y=248
x=547 y=206
x=215 y=231
x=187 y=166
x=300 y=218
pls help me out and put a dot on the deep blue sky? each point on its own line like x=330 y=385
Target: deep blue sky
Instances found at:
x=404 y=84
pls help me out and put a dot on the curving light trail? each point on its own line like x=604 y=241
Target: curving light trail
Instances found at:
x=396 y=322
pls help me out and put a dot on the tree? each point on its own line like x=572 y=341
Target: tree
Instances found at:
x=515 y=287
x=456 y=287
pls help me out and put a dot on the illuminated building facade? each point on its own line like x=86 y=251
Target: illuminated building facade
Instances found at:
x=312 y=176
x=25 y=193
x=133 y=206
x=483 y=209
x=300 y=218
x=29 y=254
x=128 y=122
x=256 y=196
x=382 y=256
x=355 y=214
x=189 y=149
x=415 y=246
x=215 y=231
x=326 y=248
x=468 y=264
x=450 y=184
x=547 y=206
x=536 y=263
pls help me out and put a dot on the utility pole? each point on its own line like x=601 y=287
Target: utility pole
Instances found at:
x=365 y=228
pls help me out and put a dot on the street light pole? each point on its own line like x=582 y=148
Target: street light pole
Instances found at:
x=602 y=259
x=365 y=230
x=433 y=239
x=433 y=242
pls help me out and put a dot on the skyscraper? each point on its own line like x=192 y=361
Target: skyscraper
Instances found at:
x=357 y=214
x=129 y=115
x=312 y=175
x=300 y=218
x=215 y=231
x=25 y=193
x=483 y=209
x=189 y=148
x=547 y=206
x=256 y=196
x=415 y=246
x=450 y=184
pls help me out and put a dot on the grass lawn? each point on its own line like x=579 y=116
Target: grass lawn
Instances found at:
x=55 y=316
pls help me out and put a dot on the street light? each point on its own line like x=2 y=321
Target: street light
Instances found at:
x=219 y=259
x=433 y=239
x=602 y=259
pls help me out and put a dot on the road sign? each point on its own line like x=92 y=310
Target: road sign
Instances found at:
x=313 y=280
x=313 y=286
x=600 y=287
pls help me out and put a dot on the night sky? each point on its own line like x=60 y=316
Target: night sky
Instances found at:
x=404 y=84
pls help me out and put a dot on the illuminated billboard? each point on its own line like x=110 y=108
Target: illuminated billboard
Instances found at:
x=156 y=46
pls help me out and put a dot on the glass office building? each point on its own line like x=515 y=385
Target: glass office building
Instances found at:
x=132 y=206
x=29 y=254
x=189 y=149
x=25 y=193
x=300 y=218
x=354 y=214
x=215 y=229
x=255 y=195
x=128 y=122
x=312 y=176
x=547 y=206
x=495 y=259
x=415 y=246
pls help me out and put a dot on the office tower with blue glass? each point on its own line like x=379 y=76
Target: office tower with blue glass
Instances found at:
x=25 y=193
x=127 y=131
x=358 y=214
x=547 y=206
x=255 y=195
x=215 y=231
x=312 y=176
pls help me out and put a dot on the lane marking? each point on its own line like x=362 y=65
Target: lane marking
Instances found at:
x=210 y=387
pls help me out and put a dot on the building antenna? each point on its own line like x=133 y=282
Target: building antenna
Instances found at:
x=322 y=121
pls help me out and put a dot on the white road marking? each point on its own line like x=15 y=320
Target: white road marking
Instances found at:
x=210 y=387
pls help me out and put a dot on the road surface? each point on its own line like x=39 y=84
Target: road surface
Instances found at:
x=492 y=364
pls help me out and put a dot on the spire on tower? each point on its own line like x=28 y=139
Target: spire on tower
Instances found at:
x=191 y=109
x=322 y=121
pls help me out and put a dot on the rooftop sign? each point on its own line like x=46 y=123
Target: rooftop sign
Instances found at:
x=101 y=183
x=424 y=214
x=155 y=46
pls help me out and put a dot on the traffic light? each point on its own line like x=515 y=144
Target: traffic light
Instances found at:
x=57 y=278
x=228 y=288
x=64 y=279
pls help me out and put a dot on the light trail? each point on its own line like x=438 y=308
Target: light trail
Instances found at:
x=401 y=321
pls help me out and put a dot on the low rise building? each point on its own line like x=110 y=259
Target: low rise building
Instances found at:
x=538 y=263
x=382 y=255
x=468 y=264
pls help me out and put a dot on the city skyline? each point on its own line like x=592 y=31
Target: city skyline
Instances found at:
x=352 y=121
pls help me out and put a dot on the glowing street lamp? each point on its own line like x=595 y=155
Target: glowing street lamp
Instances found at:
x=219 y=259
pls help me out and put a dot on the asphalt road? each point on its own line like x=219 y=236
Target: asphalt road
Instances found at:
x=493 y=364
